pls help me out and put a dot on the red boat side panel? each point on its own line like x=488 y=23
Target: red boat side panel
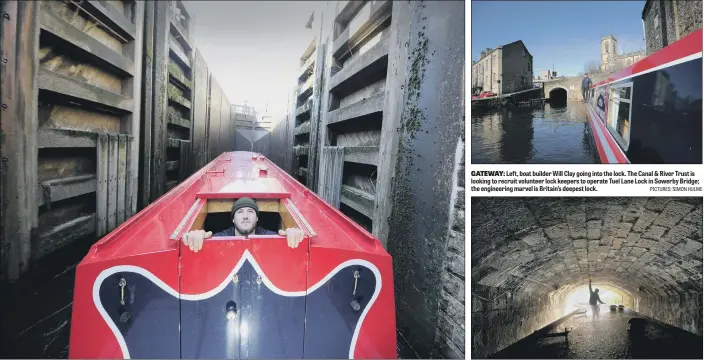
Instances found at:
x=213 y=264
x=223 y=187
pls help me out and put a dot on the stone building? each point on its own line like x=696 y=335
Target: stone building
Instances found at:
x=665 y=22
x=610 y=58
x=547 y=75
x=506 y=69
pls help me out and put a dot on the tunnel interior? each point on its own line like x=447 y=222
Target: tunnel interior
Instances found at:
x=533 y=257
x=558 y=97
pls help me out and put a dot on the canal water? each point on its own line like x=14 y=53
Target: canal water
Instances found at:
x=532 y=135
x=35 y=312
x=606 y=336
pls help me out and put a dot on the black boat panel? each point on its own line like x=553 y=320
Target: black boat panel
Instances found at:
x=262 y=323
x=333 y=312
x=148 y=323
x=666 y=119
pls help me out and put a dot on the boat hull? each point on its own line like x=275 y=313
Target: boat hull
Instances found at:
x=236 y=297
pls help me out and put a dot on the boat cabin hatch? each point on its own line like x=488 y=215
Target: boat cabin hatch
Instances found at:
x=215 y=215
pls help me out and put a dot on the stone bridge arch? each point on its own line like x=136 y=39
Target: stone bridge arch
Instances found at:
x=547 y=91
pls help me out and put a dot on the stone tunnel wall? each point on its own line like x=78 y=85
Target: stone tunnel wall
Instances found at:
x=539 y=249
x=681 y=310
x=501 y=317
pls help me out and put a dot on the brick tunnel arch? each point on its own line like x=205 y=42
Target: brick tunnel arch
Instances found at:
x=528 y=254
x=558 y=95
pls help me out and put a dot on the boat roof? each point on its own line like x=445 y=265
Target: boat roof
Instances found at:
x=232 y=175
x=686 y=48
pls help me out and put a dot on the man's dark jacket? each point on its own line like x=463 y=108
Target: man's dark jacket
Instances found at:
x=257 y=231
x=586 y=82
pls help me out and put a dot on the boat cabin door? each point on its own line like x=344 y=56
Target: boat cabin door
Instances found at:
x=242 y=297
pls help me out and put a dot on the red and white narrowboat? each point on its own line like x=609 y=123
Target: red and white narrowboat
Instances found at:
x=651 y=112
x=141 y=293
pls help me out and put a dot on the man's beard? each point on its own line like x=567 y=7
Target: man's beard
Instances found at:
x=245 y=232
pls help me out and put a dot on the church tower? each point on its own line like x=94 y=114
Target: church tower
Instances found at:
x=608 y=50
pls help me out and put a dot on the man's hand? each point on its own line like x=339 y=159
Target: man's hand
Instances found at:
x=194 y=239
x=293 y=236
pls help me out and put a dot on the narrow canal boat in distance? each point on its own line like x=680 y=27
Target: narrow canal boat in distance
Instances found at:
x=651 y=112
x=141 y=293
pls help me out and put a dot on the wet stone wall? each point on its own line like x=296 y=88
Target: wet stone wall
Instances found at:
x=681 y=310
x=427 y=210
x=500 y=317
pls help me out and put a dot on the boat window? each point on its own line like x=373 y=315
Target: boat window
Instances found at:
x=620 y=113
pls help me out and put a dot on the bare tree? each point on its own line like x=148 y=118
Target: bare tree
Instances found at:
x=592 y=66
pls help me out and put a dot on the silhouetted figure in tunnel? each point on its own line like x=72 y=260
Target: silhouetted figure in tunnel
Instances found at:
x=593 y=298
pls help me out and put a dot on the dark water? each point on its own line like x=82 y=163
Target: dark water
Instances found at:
x=607 y=337
x=543 y=135
x=35 y=312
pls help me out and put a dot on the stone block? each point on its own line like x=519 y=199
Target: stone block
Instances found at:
x=594 y=229
x=480 y=217
x=672 y=214
x=594 y=208
x=535 y=238
x=634 y=209
x=644 y=221
x=695 y=217
x=657 y=203
x=577 y=224
x=654 y=232
x=623 y=230
x=686 y=247
x=637 y=251
x=625 y=250
x=519 y=219
x=580 y=243
x=616 y=244
x=659 y=247
x=632 y=239
x=645 y=243
x=558 y=232
x=682 y=231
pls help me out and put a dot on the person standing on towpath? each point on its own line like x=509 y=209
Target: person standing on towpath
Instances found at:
x=586 y=83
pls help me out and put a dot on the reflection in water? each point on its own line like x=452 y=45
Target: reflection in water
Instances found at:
x=554 y=135
x=607 y=337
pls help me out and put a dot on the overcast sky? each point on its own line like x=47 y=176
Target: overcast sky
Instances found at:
x=253 y=47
